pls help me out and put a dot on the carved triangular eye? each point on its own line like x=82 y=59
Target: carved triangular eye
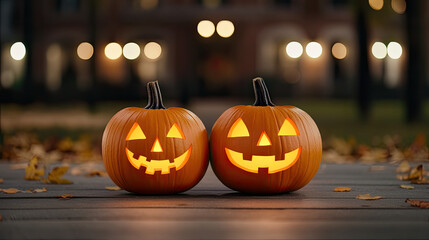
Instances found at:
x=238 y=129
x=288 y=128
x=175 y=132
x=135 y=133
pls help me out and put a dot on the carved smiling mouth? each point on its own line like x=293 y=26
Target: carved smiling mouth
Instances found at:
x=163 y=165
x=253 y=165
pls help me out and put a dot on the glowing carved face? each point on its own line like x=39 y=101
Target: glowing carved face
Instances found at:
x=152 y=165
x=255 y=162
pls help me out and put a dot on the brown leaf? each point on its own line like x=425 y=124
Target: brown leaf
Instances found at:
x=39 y=190
x=407 y=187
x=56 y=174
x=10 y=190
x=65 y=196
x=33 y=171
x=421 y=181
x=1 y=180
x=342 y=189
x=403 y=167
x=368 y=197
x=97 y=173
x=416 y=173
x=113 y=188
x=417 y=203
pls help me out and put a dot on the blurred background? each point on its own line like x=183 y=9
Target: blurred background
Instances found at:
x=359 y=68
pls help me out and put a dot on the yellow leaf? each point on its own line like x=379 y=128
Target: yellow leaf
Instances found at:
x=418 y=203
x=113 y=188
x=56 y=174
x=403 y=167
x=407 y=187
x=33 y=171
x=65 y=196
x=368 y=197
x=10 y=190
x=342 y=189
x=39 y=190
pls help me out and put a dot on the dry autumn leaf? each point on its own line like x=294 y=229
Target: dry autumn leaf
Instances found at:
x=417 y=203
x=407 y=187
x=39 y=190
x=33 y=171
x=421 y=181
x=65 y=196
x=368 y=197
x=113 y=188
x=97 y=173
x=56 y=174
x=10 y=190
x=342 y=189
x=403 y=167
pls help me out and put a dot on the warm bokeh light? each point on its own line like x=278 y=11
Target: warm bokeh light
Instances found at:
x=211 y=3
x=152 y=50
x=148 y=4
x=294 y=49
x=399 y=6
x=85 y=51
x=339 y=51
x=17 y=51
x=394 y=50
x=313 y=49
x=131 y=51
x=113 y=51
x=376 y=4
x=205 y=28
x=225 y=28
x=379 y=50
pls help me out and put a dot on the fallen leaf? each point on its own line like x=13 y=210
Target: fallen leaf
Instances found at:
x=39 y=190
x=97 y=173
x=403 y=167
x=377 y=168
x=33 y=171
x=56 y=174
x=417 y=203
x=10 y=190
x=416 y=173
x=1 y=180
x=113 y=188
x=342 y=189
x=65 y=196
x=368 y=197
x=17 y=166
x=421 y=181
x=407 y=187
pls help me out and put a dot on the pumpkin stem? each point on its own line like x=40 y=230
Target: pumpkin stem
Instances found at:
x=154 y=96
x=262 y=96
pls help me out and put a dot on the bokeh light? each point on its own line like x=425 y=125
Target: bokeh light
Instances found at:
x=131 y=51
x=113 y=51
x=376 y=4
x=339 y=51
x=225 y=28
x=17 y=51
x=294 y=49
x=379 y=50
x=394 y=50
x=399 y=6
x=313 y=49
x=148 y=4
x=152 y=50
x=85 y=51
x=205 y=28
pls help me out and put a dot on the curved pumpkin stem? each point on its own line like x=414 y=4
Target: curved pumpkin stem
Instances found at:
x=262 y=96
x=154 y=96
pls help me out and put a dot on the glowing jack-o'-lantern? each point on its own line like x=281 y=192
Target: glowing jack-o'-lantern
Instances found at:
x=265 y=148
x=154 y=150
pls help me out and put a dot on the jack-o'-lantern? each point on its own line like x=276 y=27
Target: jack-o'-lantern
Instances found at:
x=154 y=150
x=263 y=148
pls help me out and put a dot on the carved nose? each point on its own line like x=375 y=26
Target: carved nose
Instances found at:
x=264 y=140
x=156 y=146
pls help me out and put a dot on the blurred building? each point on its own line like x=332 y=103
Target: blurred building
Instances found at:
x=302 y=48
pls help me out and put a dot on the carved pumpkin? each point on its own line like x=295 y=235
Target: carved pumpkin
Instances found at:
x=154 y=150
x=265 y=148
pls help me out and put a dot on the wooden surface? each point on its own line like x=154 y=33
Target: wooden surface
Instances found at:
x=212 y=211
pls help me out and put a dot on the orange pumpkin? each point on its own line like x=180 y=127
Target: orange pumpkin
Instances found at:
x=154 y=150
x=265 y=148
